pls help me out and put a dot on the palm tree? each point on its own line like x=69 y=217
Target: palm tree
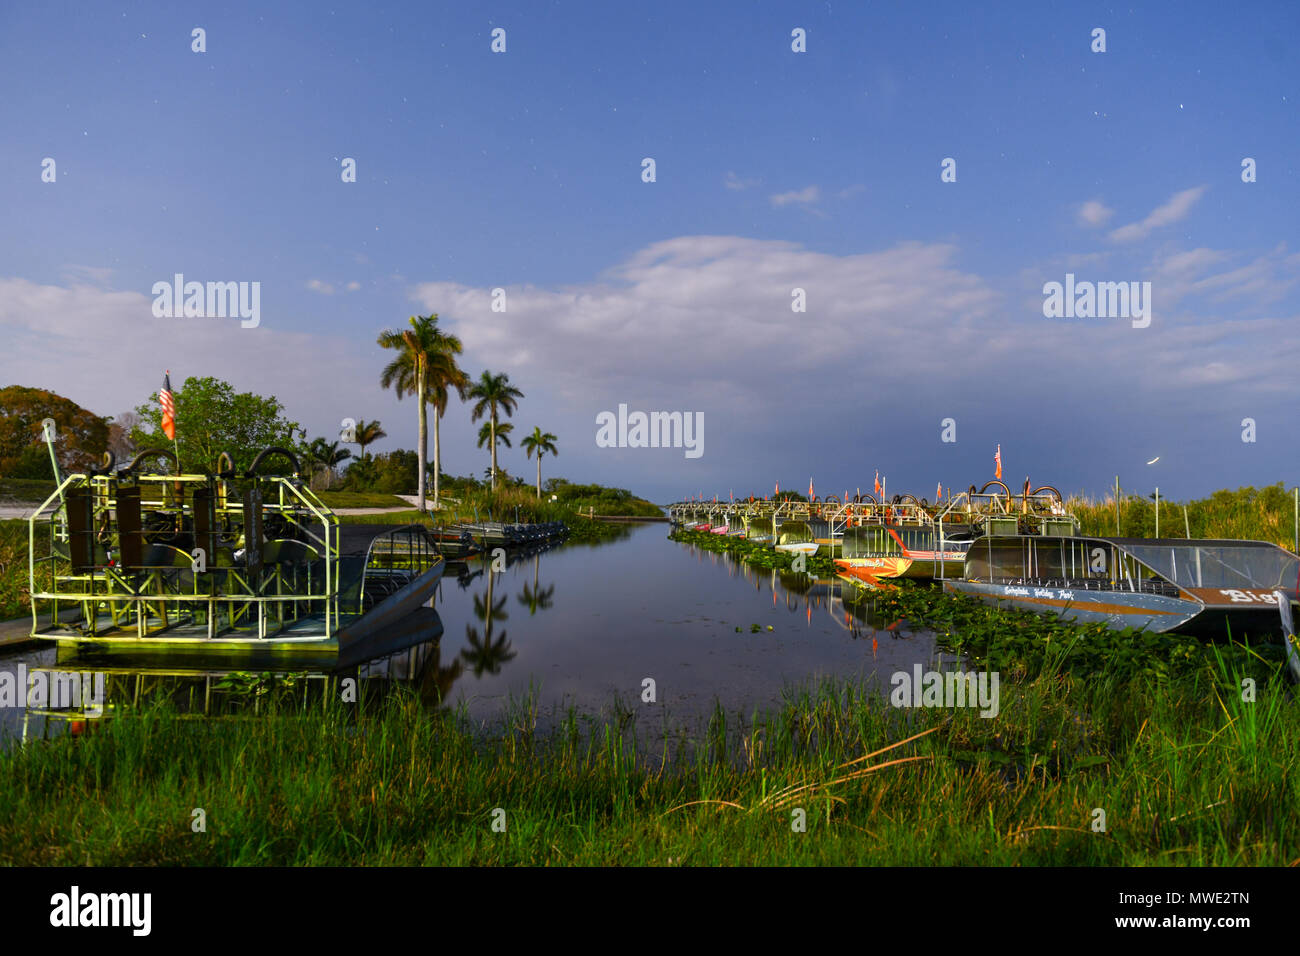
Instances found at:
x=503 y=434
x=329 y=454
x=539 y=443
x=367 y=433
x=446 y=375
x=425 y=356
x=494 y=392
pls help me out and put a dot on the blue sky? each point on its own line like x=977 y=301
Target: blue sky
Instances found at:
x=775 y=169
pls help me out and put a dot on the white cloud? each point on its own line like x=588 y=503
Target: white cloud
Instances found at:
x=317 y=285
x=106 y=351
x=732 y=181
x=1094 y=213
x=1176 y=209
x=804 y=197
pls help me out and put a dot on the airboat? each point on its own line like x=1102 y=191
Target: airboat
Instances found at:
x=907 y=538
x=127 y=562
x=1210 y=588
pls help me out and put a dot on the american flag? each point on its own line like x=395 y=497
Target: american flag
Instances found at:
x=997 y=460
x=168 y=407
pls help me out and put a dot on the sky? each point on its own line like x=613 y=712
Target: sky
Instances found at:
x=774 y=170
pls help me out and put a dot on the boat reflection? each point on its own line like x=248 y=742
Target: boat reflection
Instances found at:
x=79 y=690
x=851 y=608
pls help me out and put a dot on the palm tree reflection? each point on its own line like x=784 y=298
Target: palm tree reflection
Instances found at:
x=487 y=653
x=537 y=598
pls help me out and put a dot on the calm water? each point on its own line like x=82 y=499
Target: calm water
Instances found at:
x=584 y=626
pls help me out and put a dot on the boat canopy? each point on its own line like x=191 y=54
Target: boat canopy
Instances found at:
x=1216 y=564
x=1134 y=563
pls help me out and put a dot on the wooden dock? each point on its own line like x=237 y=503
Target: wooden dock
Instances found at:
x=16 y=635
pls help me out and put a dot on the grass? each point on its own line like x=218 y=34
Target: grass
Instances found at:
x=15 y=593
x=1262 y=514
x=361 y=499
x=27 y=490
x=1187 y=774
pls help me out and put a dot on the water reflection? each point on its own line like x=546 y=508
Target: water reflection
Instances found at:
x=102 y=690
x=580 y=627
x=487 y=652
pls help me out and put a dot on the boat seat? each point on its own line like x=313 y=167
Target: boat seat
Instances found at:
x=166 y=556
x=288 y=551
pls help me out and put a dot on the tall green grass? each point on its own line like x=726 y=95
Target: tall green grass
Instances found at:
x=1258 y=514
x=15 y=589
x=1188 y=774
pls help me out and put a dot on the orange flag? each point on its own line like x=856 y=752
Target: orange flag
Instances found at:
x=997 y=461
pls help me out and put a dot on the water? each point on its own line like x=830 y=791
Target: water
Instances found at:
x=585 y=626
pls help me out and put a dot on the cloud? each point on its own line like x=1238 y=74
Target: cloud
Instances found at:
x=353 y=286
x=324 y=288
x=807 y=196
x=1094 y=213
x=893 y=340
x=1176 y=209
x=106 y=351
x=732 y=181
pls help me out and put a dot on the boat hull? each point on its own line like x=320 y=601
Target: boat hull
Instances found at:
x=1116 y=609
x=802 y=547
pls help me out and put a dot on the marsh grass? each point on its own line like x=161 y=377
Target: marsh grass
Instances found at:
x=751 y=552
x=15 y=583
x=1185 y=771
x=1256 y=514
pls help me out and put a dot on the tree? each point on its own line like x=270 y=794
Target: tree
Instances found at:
x=425 y=356
x=503 y=434
x=119 y=435
x=447 y=375
x=80 y=436
x=494 y=393
x=329 y=454
x=367 y=433
x=211 y=417
x=539 y=443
